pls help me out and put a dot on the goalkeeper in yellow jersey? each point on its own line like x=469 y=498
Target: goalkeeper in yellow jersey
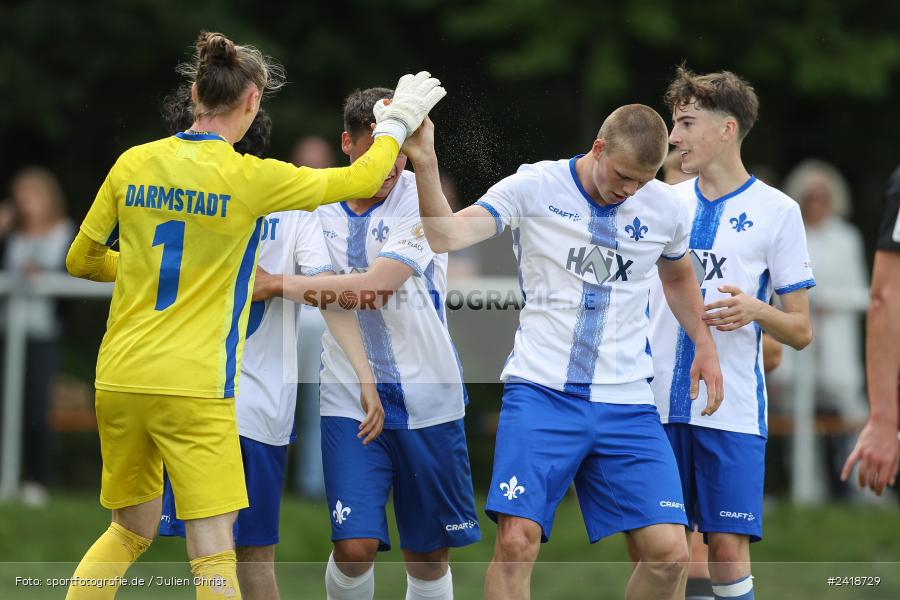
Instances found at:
x=186 y=212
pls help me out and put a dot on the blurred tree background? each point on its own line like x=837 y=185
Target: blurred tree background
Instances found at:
x=527 y=79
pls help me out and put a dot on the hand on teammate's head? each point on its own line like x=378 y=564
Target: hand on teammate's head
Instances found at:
x=420 y=145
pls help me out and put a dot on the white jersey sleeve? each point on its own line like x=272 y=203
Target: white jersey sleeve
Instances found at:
x=310 y=252
x=788 y=258
x=508 y=199
x=406 y=237
x=678 y=246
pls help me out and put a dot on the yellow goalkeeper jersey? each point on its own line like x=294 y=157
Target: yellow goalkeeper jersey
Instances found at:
x=186 y=211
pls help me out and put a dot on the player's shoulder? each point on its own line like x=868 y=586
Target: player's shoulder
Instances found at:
x=660 y=195
x=775 y=201
x=142 y=152
x=300 y=217
x=544 y=169
x=687 y=189
x=404 y=197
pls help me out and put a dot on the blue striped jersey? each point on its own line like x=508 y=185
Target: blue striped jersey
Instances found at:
x=407 y=342
x=752 y=238
x=586 y=272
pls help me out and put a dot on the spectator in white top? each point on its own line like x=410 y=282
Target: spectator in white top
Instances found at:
x=838 y=256
x=36 y=236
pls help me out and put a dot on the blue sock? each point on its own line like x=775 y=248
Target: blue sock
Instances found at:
x=742 y=589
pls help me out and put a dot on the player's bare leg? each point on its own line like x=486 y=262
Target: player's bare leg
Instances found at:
x=210 y=549
x=355 y=557
x=698 y=570
x=350 y=573
x=698 y=584
x=209 y=535
x=631 y=546
x=256 y=572
x=517 y=547
x=142 y=519
x=129 y=535
x=729 y=557
x=428 y=575
x=662 y=572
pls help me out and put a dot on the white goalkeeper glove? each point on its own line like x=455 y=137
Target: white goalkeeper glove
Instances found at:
x=414 y=96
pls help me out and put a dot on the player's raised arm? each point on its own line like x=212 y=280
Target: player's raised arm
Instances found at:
x=291 y=188
x=414 y=97
x=684 y=299
x=445 y=230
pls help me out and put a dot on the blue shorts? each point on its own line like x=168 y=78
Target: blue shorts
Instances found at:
x=256 y=525
x=722 y=474
x=617 y=455
x=428 y=470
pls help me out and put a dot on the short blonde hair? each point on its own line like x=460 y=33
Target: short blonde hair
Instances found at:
x=639 y=131
x=799 y=181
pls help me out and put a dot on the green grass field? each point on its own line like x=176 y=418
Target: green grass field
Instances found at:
x=802 y=548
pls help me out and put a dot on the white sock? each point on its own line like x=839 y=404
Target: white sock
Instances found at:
x=742 y=589
x=339 y=586
x=438 y=589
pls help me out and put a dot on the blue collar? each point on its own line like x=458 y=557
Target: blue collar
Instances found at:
x=587 y=196
x=199 y=137
x=743 y=187
x=369 y=210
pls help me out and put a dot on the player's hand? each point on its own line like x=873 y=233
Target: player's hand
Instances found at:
x=373 y=423
x=420 y=145
x=732 y=313
x=706 y=367
x=878 y=453
x=267 y=285
x=414 y=97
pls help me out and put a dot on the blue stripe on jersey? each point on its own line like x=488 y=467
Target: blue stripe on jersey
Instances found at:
x=497 y=220
x=405 y=260
x=257 y=310
x=680 y=390
x=647 y=349
x=376 y=337
x=438 y=302
x=245 y=272
x=433 y=293
x=377 y=340
x=703 y=235
x=113 y=236
x=706 y=220
x=517 y=250
x=357 y=228
x=762 y=294
x=592 y=314
x=708 y=215
x=329 y=268
x=801 y=285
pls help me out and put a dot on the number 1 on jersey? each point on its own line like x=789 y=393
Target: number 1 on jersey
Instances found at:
x=171 y=236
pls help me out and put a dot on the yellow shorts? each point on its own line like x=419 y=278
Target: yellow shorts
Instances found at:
x=195 y=438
